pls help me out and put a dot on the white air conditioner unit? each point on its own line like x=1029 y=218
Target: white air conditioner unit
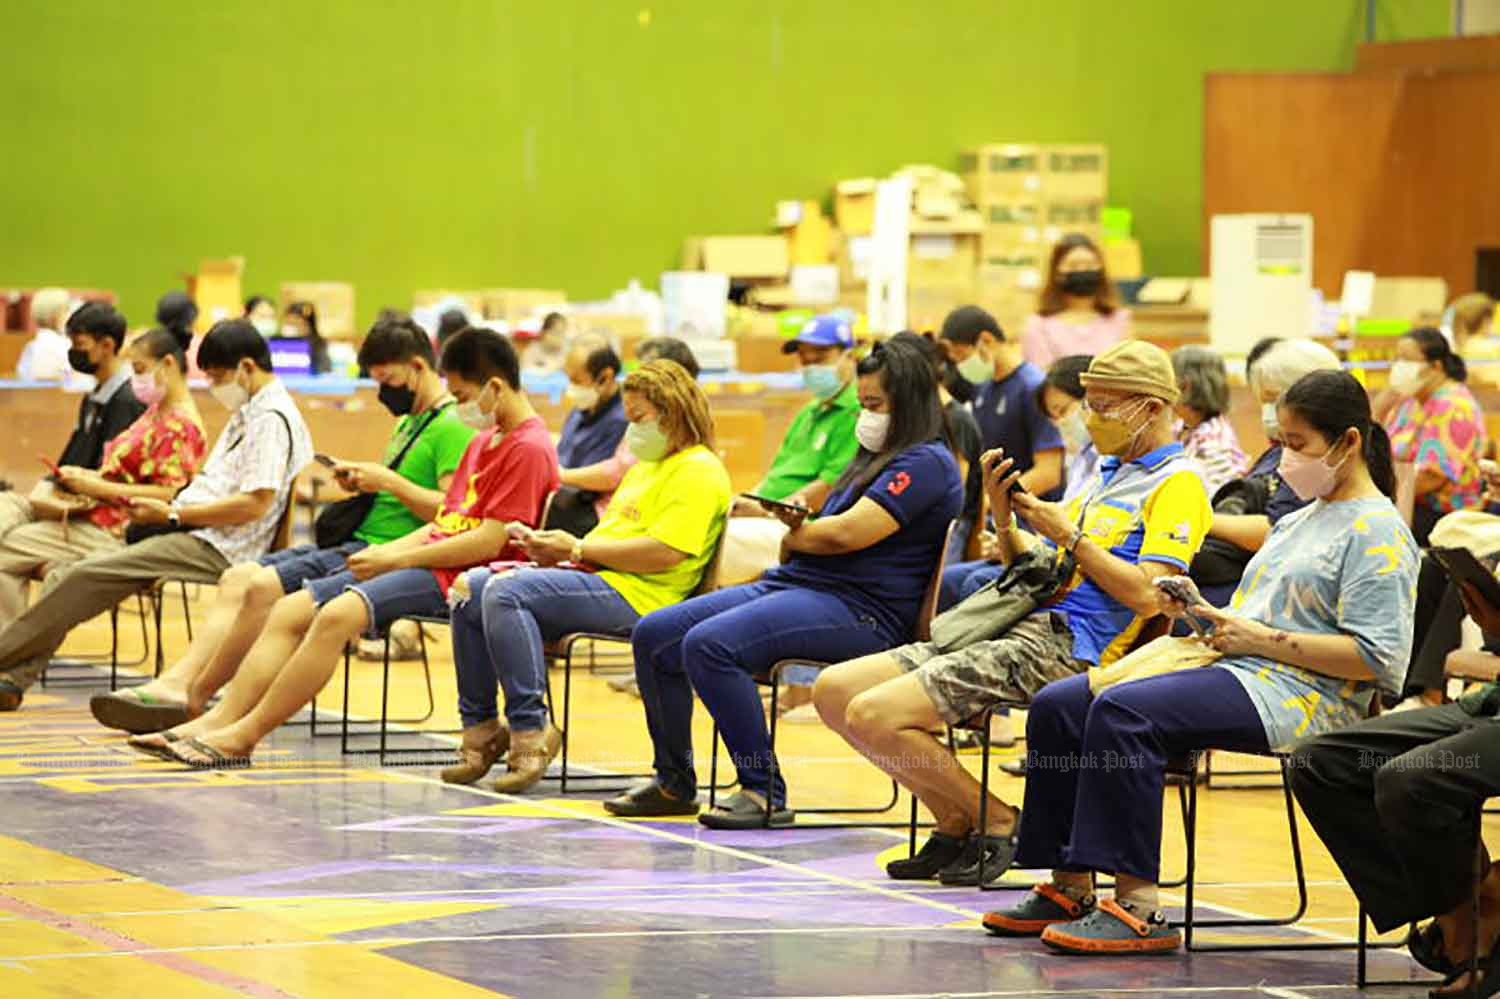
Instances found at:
x=1261 y=272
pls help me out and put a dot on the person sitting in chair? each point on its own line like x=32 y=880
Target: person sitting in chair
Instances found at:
x=1141 y=520
x=1321 y=620
x=506 y=474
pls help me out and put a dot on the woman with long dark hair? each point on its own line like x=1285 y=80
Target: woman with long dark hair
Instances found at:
x=1320 y=623
x=300 y=322
x=850 y=585
x=1437 y=426
x=1078 y=312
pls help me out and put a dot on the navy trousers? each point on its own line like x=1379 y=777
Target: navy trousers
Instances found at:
x=1094 y=764
x=715 y=644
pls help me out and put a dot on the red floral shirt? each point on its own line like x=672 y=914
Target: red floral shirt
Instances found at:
x=160 y=449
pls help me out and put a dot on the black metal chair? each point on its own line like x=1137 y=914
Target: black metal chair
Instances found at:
x=386 y=754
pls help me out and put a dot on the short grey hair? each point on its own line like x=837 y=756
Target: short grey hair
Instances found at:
x=1202 y=378
x=1286 y=362
x=49 y=307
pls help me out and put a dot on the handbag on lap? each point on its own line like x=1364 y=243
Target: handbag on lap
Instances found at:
x=1031 y=579
x=337 y=522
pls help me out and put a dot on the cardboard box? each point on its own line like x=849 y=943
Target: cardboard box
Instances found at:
x=854 y=206
x=1000 y=172
x=618 y=326
x=1122 y=258
x=810 y=237
x=1076 y=171
x=928 y=304
x=815 y=285
x=747 y=257
x=1067 y=216
x=942 y=259
x=1033 y=254
x=1408 y=298
x=512 y=305
x=218 y=292
x=333 y=300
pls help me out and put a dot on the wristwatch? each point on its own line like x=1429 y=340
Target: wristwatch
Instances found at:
x=577 y=556
x=1072 y=545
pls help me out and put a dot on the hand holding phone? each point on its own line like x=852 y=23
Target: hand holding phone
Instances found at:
x=519 y=531
x=774 y=505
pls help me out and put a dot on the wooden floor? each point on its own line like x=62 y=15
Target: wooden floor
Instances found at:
x=1245 y=864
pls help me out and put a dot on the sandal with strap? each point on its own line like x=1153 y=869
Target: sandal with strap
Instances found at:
x=136 y=712
x=1427 y=948
x=1046 y=905
x=160 y=750
x=1113 y=928
x=211 y=758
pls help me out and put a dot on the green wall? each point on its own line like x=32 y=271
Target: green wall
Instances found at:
x=402 y=144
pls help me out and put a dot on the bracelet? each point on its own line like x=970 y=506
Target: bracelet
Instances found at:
x=577 y=555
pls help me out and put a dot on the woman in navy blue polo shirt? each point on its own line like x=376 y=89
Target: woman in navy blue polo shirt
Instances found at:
x=850 y=584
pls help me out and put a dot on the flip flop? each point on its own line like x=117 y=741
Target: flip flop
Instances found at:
x=137 y=713
x=217 y=760
x=140 y=745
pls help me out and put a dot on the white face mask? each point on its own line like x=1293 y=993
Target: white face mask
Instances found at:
x=1269 y=421
x=1407 y=377
x=289 y=330
x=582 y=397
x=1075 y=431
x=265 y=327
x=231 y=395
x=471 y=414
x=976 y=368
x=871 y=429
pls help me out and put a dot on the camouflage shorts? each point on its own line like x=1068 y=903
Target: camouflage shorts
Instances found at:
x=1036 y=651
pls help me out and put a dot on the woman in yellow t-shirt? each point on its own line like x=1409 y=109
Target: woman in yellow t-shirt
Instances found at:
x=651 y=548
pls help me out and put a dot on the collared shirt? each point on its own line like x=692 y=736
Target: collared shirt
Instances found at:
x=1151 y=509
x=105 y=413
x=1445 y=434
x=1345 y=568
x=252 y=453
x=591 y=436
x=818 y=445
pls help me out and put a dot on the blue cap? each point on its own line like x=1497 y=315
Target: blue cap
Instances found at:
x=823 y=331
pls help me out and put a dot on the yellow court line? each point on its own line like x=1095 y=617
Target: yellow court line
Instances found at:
x=175 y=956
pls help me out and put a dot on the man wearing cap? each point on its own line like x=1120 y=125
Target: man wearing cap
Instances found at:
x=815 y=451
x=1143 y=518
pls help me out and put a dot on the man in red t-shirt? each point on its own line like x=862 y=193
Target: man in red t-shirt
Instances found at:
x=505 y=476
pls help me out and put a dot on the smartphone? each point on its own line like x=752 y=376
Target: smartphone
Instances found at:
x=324 y=460
x=1015 y=487
x=51 y=465
x=775 y=504
x=1180 y=588
x=1462 y=567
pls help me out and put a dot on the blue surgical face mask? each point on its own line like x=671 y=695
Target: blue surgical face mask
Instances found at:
x=822 y=380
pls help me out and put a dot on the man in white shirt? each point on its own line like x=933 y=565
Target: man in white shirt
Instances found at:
x=229 y=513
x=45 y=356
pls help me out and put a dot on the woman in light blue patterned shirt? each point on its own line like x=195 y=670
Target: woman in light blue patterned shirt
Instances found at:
x=1321 y=620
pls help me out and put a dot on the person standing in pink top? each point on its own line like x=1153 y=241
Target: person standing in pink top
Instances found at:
x=1078 y=312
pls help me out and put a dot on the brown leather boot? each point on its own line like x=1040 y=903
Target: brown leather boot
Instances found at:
x=530 y=755
x=482 y=746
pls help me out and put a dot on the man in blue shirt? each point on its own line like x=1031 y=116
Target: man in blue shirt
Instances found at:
x=590 y=435
x=1007 y=407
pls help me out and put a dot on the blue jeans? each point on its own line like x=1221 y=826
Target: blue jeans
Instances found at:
x=962 y=579
x=1094 y=765
x=499 y=631
x=295 y=566
x=387 y=598
x=715 y=644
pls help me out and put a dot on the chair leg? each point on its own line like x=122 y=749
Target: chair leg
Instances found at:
x=984 y=790
x=385 y=694
x=775 y=764
x=567 y=726
x=713 y=768
x=187 y=614
x=114 y=648
x=344 y=721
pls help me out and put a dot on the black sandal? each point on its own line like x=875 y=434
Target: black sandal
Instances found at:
x=217 y=759
x=140 y=744
x=1426 y=946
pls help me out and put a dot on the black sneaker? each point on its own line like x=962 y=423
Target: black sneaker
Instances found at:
x=938 y=852
x=997 y=852
x=648 y=801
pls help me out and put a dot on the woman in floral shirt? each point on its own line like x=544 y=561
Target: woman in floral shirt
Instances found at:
x=1206 y=434
x=1437 y=426
x=155 y=456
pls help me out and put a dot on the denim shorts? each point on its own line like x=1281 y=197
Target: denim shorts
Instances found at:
x=297 y=565
x=403 y=593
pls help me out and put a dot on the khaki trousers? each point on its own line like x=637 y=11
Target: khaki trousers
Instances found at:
x=36 y=548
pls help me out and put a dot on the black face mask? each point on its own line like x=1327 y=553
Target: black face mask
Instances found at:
x=1082 y=282
x=79 y=359
x=397 y=398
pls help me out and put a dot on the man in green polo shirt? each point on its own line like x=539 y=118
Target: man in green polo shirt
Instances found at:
x=820 y=442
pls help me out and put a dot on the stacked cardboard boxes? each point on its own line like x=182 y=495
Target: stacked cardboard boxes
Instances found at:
x=1029 y=196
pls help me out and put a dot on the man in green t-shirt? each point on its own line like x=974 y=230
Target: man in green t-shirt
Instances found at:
x=820 y=442
x=425 y=447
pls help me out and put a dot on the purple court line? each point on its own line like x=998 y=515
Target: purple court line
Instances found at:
x=124 y=945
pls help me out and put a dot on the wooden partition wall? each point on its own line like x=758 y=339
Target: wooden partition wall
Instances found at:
x=1400 y=171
